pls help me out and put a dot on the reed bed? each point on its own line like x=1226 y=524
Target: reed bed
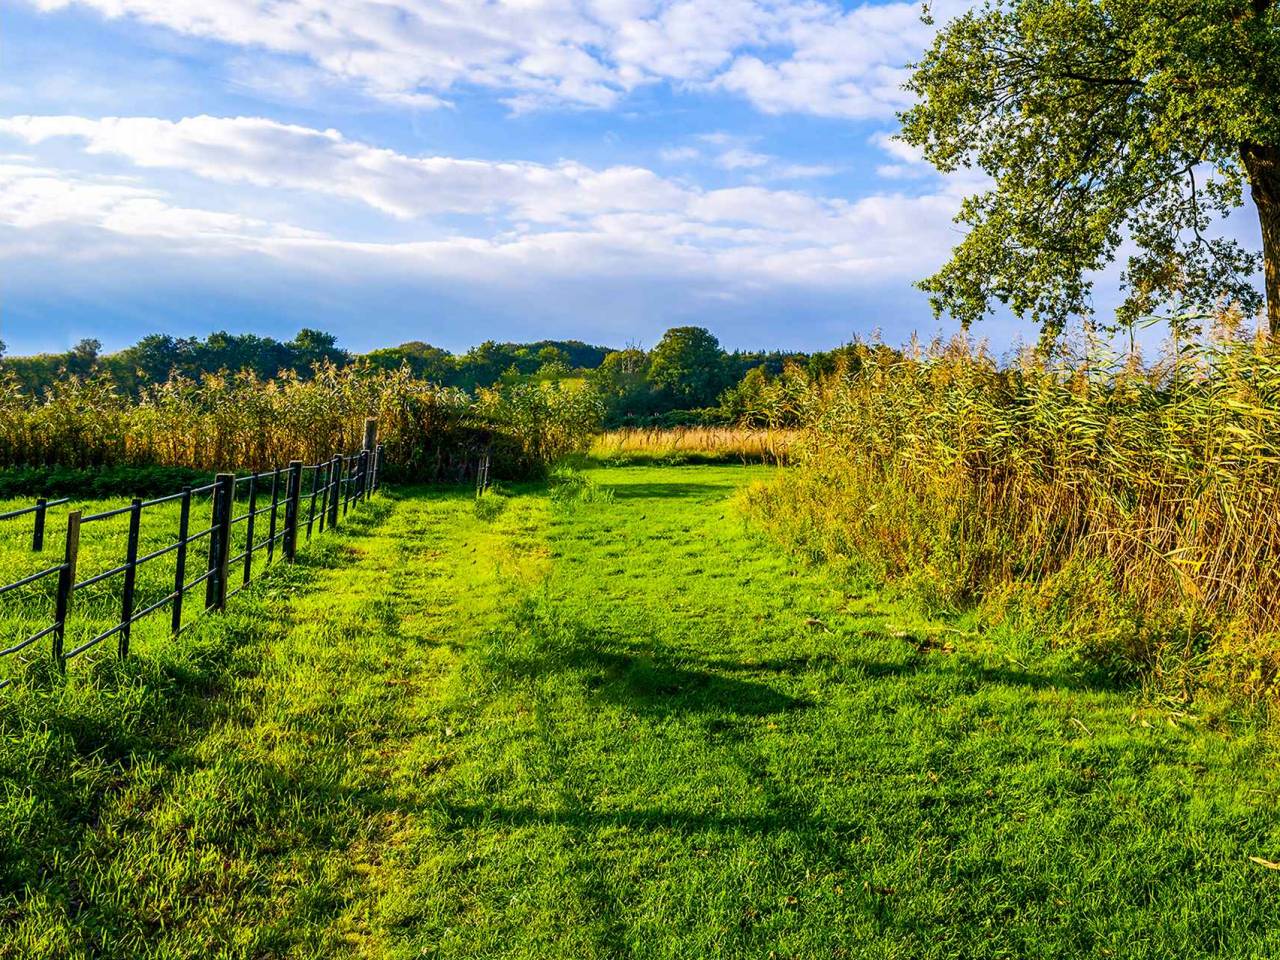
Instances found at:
x=672 y=445
x=242 y=422
x=1127 y=508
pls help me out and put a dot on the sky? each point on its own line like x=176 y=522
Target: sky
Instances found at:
x=460 y=170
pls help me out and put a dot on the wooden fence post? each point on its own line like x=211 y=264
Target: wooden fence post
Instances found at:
x=366 y=455
x=293 y=494
x=180 y=565
x=335 y=480
x=250 y=532
x=130 y=576
x=66 y=586
x=215 y=597
x=37 y=535
x=273 y=521
x=315 y=492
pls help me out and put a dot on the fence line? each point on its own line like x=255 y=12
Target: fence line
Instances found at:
x=336 y=486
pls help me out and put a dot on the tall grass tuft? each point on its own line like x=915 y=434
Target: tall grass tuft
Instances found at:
x=1130 y=508
x=670 y=445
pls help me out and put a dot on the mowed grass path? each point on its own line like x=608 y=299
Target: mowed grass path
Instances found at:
x=619 y=724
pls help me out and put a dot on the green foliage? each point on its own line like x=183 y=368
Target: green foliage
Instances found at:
x=688 y=364
x=760 y=400
x=1101 y=123
x=678 y=384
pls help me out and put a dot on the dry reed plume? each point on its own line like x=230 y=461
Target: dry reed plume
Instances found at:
x=690 y=444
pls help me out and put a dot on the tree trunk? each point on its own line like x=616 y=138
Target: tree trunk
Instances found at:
x=1263 y=166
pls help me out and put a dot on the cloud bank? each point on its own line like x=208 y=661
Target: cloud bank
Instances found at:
x=805 y=56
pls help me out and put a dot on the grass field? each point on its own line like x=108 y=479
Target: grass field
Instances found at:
x=606 y=719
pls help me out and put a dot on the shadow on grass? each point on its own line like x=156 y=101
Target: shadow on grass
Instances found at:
x=671 y=491
x=789 y=819
x=1080 y=678
x=626 y=672
x=651 y=685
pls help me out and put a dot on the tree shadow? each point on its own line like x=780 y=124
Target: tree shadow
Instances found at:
x=669 y=491
x=790 y=818
x=648 y=684
x=1087 y=678
x=633 y=675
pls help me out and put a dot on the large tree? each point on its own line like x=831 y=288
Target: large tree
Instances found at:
x=689 y=366
x=1102 y=124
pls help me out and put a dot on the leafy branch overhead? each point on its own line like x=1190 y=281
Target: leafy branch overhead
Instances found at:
x=1108 y=128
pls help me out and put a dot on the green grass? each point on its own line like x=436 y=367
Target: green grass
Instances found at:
x=103 y=547
x=608 y=720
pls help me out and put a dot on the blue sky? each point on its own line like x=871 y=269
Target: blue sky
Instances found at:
x=456 y=170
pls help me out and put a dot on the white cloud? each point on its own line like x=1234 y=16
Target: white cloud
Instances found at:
x=740 y=159
x=810 y=56
x=34 y=197
x=563 y=218
x=680 y=154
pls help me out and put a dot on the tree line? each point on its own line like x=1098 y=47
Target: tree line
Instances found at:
x=687 y=377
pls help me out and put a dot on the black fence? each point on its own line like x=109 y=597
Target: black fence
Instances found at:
x=281 y=508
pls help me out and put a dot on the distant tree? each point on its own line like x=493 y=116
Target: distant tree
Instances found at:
x=689 y=365
x=1105 y=123
x=311 y=347
x=83 y=358
x=425 y=361
x=153 y=359
x=622 y=383
x=549 y=355
x=744 y=402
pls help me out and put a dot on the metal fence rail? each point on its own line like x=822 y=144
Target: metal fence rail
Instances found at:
x=273 y=499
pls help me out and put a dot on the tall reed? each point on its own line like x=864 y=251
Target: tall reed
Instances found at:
x=744 y=444
x=239 y=421
x=1130 y=507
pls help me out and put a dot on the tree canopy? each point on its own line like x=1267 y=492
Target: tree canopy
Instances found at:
x=1107 y=127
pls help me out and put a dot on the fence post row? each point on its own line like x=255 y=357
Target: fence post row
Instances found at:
x=66 y=585
x=293 y=495
x=215 y=597
x=130 y=576
x=346 y=481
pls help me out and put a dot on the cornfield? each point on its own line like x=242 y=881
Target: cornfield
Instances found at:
x=1130 y=508
x=239 y=421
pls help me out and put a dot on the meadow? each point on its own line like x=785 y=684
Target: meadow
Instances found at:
x=605 y=717
x=977 y=660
